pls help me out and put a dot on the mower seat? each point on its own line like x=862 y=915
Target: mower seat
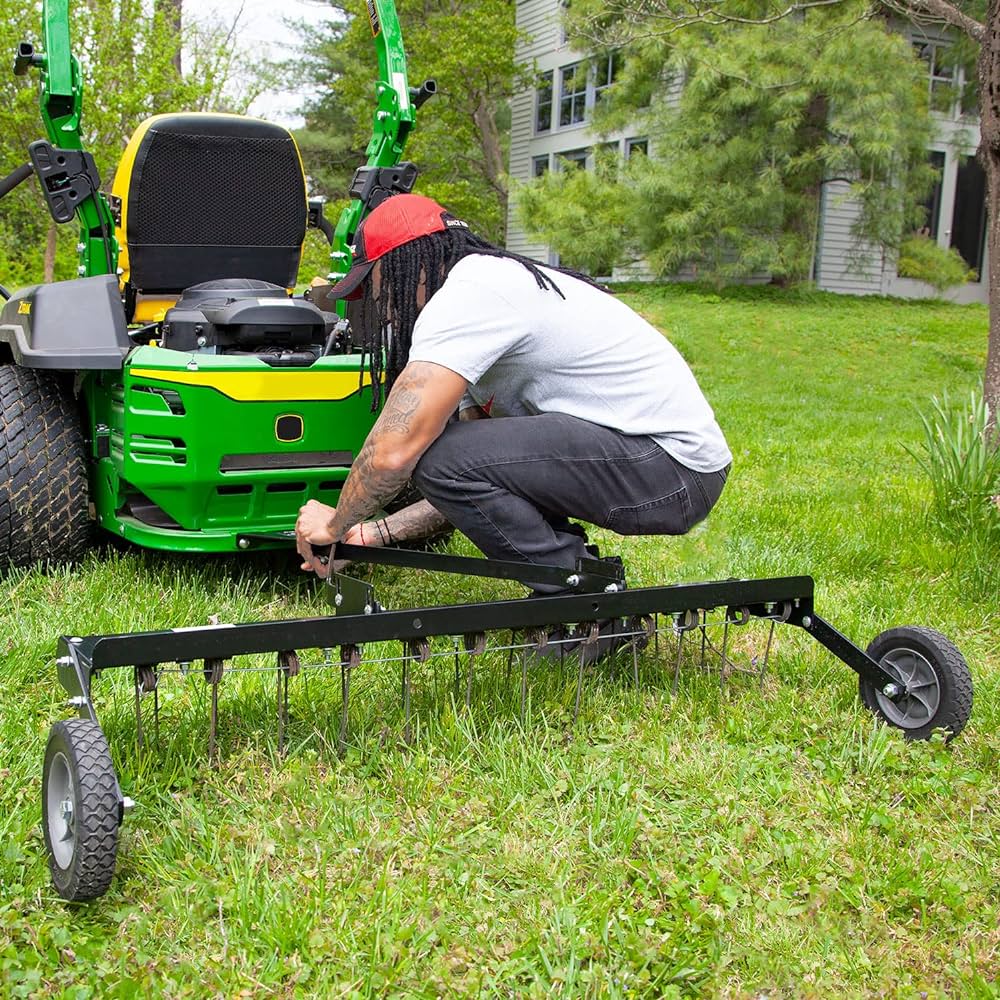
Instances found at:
x=203 y=197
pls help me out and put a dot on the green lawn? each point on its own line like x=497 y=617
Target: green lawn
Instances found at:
x=755 y=842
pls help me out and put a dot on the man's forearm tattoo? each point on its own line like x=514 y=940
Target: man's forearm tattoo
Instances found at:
x=416 y=521
x=368 y=488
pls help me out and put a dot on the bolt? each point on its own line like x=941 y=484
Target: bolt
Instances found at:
x=64 y=661
x=382 y=115
x=81 y=270
x=573 y=580
x=202 y=341
x=78 y=702
x=184 y=665
x=891 y=690
x=338 y=600
x=368 y=609
x=611 y=588
x=806 y=621
x=417 y=623
x=75 y=638
x=80 y=247
x=120 y=271
x=243 y=543
x=127 y=804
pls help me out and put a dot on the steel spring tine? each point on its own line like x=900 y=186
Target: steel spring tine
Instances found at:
x=138 y=711
x=677 y=665
x=723 y=661
x=704 y=636
x=524 y=682
x=767 y=653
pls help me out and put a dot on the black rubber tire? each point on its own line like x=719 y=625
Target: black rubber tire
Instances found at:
x=932 y=650
x=83 y=870
x=44 y=492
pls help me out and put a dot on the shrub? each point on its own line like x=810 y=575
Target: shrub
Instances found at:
x=961 y=455
x=920 y=257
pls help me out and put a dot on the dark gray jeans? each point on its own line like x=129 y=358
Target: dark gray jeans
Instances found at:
x=512 y=483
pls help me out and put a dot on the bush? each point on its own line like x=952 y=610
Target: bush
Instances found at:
x=920 y=257
x=961 y=456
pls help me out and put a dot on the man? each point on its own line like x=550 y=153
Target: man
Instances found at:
x=592 y=413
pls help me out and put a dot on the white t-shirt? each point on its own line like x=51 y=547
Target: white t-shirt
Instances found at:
x=526 y=350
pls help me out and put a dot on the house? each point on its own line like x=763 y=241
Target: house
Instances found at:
x=550 y=127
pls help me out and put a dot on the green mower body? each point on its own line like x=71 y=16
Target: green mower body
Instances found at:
x=177 y=394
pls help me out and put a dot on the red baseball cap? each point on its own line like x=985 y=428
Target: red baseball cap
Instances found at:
x=397 y=220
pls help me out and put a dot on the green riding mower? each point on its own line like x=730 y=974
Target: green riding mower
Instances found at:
x=177 y=393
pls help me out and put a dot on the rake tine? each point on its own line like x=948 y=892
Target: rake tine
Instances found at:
x=656 y=634
x=156 y=714
x=524 y=682
x=767 y=653
x=213 y=675
x=593 y=635
x=138 y=710
x=288 y=666
x=350 y=657
x=677 y=665
x=704 y=635
x=405 y=680
x=510 y=657
x=458 y=671
x=725 y=643
x=635 y=660
x=475 y=645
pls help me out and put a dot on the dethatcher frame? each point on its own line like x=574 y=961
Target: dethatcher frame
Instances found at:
x=912 y=677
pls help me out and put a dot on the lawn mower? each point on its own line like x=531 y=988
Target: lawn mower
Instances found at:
x=176 y=394
x=235 y=350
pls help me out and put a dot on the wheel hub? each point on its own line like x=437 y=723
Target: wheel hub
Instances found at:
x=61 y=811
x=921 y=689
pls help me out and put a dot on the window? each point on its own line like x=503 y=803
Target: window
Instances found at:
x=968 y=225
x=573 y=159
x=573 y=94
x=543 y=104
x=605 y=73
x=943 y=75
x=539 y=166
x=634 y=146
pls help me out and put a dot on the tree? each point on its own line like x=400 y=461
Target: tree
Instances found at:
x=767 y=115
x=127 y=60
x=460 y=143
x=656 y=25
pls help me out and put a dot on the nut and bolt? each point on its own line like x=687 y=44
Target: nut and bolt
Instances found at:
x=78 y=702
x=806 y=621
x=202 y=341
x=368 y=609
x=891 y=690
x=338 y=599
x=573 y=580
x=81 y=270
x=243 y=543
x=611 y=588
x=127 y=804
x=80 y=247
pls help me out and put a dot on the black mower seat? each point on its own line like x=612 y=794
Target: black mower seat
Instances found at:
x=202 y=197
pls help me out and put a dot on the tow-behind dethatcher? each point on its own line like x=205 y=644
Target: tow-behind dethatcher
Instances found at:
x=912 y=678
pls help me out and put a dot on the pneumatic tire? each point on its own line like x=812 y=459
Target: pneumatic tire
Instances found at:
x=935 y=678
x=44 y=493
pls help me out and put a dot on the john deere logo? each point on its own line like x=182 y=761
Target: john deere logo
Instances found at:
x=288 y=428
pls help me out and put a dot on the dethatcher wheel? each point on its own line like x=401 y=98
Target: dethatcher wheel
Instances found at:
x=935 y=679
x=81 y=810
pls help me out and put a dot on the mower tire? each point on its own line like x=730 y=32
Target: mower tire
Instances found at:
x=935 y=679
x=44 y=493
x=81 y=810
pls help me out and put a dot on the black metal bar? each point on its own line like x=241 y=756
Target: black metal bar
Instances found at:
x=855 y=657
x=97 y=652
x=590 y=574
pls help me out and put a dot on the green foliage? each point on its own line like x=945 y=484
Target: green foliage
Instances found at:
x=921 y=258
x=460 y=142
x=126 y=54
x=960 y=453
x=746 y=125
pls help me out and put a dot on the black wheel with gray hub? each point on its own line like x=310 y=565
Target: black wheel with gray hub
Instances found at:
x=932 y=676
x=44 y=493
x=81 y=810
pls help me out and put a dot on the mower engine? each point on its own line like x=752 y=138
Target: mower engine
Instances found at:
x=252 y=318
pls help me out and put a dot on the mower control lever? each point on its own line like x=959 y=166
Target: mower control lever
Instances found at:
x=25 y=57
x=15 y=177
x=426 y=90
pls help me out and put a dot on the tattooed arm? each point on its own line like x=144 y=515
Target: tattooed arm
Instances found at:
x=422 y=399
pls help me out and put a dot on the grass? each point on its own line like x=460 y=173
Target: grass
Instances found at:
x=774 y=842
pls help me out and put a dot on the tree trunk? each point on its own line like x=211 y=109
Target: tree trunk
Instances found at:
x=989 y=124
x=171 y=11
x=51 y=236
x=493 y=158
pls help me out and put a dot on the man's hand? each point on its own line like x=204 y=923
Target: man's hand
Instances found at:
x=313 y=528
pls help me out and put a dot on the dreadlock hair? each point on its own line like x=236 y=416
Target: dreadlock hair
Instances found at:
x=387 y=321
